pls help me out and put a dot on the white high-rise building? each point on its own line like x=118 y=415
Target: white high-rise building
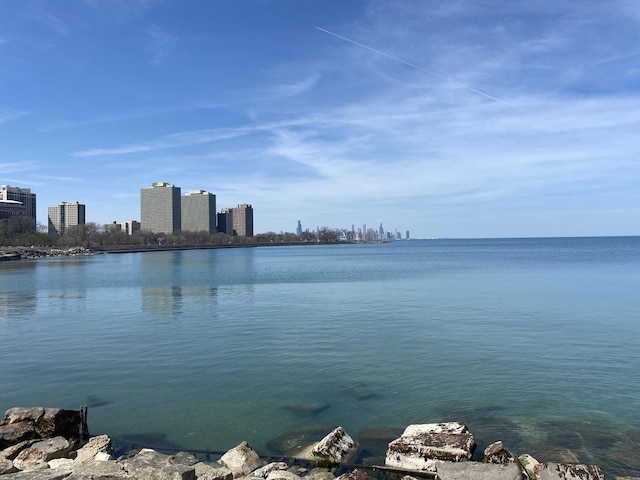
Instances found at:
x=65 y=215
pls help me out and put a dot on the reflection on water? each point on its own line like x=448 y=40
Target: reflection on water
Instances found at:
x=173 y=300
x=17 y=304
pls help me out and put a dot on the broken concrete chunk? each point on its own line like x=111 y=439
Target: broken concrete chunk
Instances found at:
x=567 y=471
x=334 y=447
x=420 y=444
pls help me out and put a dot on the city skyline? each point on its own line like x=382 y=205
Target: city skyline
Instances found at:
x=446 y=118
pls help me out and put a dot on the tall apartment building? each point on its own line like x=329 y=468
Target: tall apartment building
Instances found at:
x=242 y=220
x=26 y=198
x=199 y=211
x=225 y=221
x=65 y=215
x=160 y=210
x=130 y=226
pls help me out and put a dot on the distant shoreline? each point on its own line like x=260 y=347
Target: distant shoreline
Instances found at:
x=25 y=252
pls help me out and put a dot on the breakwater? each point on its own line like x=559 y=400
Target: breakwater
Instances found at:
x=53 y=444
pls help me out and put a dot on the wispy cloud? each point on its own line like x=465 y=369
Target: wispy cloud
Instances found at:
x=51 y=21
x=188 y=138
x=162 y=45
x=297 y=88
x=8 y=114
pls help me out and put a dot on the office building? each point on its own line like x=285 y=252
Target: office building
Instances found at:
x=243 y=220
x=65 y=215
x=160 y=210
x=299 y=228
x=198 y=211
x=26 y=198
x=225 y=221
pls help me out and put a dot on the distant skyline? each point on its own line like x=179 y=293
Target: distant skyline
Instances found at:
x=447 y=118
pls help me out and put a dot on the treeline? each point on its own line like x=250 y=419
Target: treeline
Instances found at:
x=94 y=235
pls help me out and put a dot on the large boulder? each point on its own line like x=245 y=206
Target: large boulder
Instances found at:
x=262 y=472
x=241 y=460
x=16 y=433
x=95 y=445
x=477 y=471
x=335 y=447
x=27 y=423
x=421 y=444
x=566 y=471
x=151 y=465
x=205 y=471
x=99 y=470
x=6 y=466
x=37 y=455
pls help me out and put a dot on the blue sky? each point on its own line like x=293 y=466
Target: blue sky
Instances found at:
x=450 y=118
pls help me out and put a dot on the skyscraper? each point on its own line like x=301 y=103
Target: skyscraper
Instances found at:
x=243 y=220
x=65 y=215
x=26 y=198
x=299 y=228
x=199 y=211
x=160 y=210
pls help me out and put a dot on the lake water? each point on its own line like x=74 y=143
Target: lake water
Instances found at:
x=535 y=342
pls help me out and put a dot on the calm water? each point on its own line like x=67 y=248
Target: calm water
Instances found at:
x=535 y=342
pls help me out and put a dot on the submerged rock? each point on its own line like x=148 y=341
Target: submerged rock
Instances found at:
x=292 y=444
x=306 y=410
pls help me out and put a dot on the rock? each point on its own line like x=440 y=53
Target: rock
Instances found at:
x=477 y=471
x=12 y=452
x=360 y=391
x=498 y=453
x=95 y=445
x=59 y=422
x=21 y=414
x=420 y=444
x=28 y=423
x=6 y=466
x=357 y=474
x=241 y=460
x=97 y=470
x=529 y=464
x=183 y=458
x=151 y=465
x=282 y=475
x=15 y=433
x=262 y=472
x=334 y=447
x=65 y=464
x=37 y=455
x=47 y=474
x=566 y=471
x=306 y=410
x=204 y=471
x=320 y=474
x=291 y=444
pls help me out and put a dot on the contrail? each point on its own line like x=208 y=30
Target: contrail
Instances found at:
x=418 y=67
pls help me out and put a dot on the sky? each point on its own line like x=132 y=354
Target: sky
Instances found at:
x=448 y=118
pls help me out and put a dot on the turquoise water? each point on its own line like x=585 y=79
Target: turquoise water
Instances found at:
x=535 y=342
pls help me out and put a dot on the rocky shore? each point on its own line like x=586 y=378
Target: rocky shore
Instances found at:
x=31 y=253
x=48 y=444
